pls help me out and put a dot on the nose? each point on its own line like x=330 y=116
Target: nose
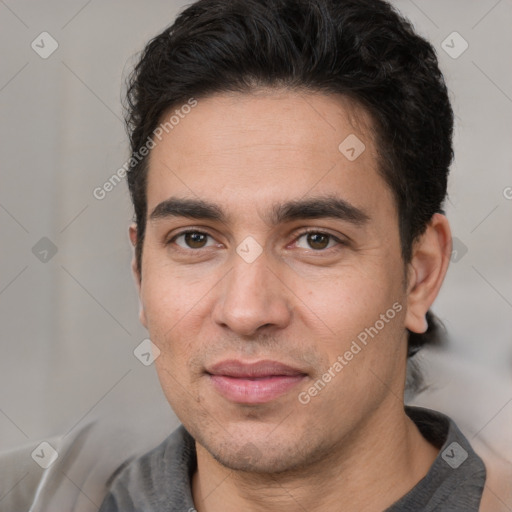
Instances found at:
x=253 y=298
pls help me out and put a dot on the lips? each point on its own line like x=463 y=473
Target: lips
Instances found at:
x=253 y=383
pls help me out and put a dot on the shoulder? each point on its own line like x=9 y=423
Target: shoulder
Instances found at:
x=157 y=476
x=456 y=479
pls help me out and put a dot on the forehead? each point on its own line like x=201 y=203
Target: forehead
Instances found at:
x=251 y=149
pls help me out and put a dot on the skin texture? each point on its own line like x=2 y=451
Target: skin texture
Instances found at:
x=352 y=442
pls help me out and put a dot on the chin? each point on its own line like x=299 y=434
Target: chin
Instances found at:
x=260 y=456
x=249 y=459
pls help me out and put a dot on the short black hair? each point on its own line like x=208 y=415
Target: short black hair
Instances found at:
x=362 y=49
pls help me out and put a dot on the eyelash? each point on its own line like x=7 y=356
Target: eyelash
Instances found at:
x=338 y=241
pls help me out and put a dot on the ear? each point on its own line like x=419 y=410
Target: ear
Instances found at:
x=136 y=273
x=426 y=272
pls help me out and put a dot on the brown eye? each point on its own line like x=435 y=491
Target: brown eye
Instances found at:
x=318 y=241
x=193 y=240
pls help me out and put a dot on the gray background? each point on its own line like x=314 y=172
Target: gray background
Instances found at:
x=69 y=325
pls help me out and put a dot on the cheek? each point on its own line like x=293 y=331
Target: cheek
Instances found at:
x=171 y=318
x=364 y=315
x=172 y=313
x=169 y=296
x=363 y=351
x=352 y=300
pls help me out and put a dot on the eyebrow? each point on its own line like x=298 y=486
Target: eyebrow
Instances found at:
x=300 y=209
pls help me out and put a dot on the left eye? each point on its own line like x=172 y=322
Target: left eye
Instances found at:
x=193 y=240
x=317 y=241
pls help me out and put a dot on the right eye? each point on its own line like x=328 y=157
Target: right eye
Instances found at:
x=192 y=240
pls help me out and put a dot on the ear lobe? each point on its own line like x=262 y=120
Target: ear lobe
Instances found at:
x=136 y=273
x=142 y=315
x=427 y=270
x=132 y=232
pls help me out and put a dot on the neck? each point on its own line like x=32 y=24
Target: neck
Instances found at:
x=381 y=462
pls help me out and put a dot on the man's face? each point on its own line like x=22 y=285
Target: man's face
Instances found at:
x=251 y=312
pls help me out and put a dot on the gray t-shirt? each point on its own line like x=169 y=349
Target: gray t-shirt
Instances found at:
x=159 y=481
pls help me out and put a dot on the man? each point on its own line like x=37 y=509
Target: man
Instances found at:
x=290 y=162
